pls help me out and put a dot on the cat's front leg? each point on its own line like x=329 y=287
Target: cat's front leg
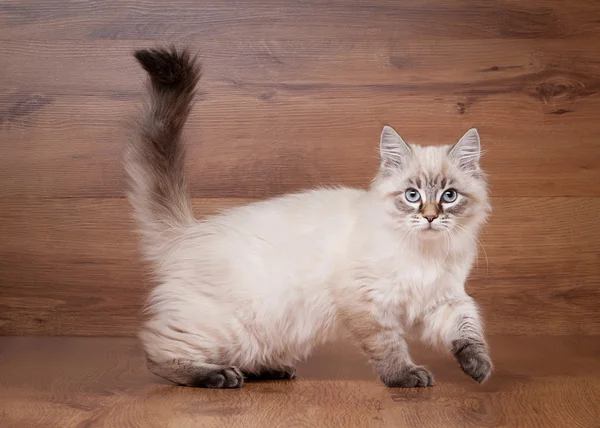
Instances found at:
x=456 y=325
x=387 y=351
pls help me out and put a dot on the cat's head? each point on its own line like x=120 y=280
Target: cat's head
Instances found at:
x=432 y=190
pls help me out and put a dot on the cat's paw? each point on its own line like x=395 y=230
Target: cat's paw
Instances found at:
x=410 y=377
x=474 y=359
x=228 y=377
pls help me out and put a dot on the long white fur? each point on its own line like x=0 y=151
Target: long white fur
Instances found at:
x=262 y=285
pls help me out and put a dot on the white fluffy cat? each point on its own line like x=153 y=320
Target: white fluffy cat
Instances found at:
x=252 y=291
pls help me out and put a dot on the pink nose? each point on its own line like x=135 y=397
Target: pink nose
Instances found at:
x=430 y=218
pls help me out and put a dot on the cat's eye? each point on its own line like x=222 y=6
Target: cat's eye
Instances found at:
x=449 y=196
x=412 y=195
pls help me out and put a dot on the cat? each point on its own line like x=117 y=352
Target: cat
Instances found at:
x=251 y=291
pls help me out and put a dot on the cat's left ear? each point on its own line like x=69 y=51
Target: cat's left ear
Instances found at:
x=467 y=151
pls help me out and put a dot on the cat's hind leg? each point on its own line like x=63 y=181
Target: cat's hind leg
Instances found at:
x=200 y=375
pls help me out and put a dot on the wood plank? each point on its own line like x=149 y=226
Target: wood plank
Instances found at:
x=145 y=19
x=70 y=266
x=429 y=65
x=76 y=382
x=241 y=146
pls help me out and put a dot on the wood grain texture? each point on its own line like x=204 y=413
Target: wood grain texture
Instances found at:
x=541 y=382
x=294 y=95
x=244 y=147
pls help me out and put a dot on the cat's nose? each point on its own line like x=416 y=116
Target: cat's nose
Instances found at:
x=430 y=218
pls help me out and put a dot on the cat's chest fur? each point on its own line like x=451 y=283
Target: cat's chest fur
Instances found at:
x=409 y=283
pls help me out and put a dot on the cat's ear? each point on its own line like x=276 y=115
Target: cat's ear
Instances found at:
x=393 y=150
x=467 y=151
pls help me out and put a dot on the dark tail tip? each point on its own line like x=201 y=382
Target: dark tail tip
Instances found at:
x=170 y=69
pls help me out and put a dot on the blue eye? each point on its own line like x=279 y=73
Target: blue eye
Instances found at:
x=412 y=195
x=449 y=196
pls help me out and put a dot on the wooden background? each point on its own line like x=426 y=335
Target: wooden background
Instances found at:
x=294 y=95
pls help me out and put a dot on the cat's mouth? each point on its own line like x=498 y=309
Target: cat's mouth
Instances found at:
x=430 y=229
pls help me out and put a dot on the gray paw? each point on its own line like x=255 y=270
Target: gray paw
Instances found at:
x=411 y=377
x=474 y=359
x=229 y=377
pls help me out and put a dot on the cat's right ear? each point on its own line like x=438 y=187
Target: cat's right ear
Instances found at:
x=393 y=149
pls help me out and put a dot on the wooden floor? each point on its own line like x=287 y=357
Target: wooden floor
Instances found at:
x=102 y=382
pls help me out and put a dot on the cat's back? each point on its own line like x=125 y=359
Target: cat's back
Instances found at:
x=289 y=236
x=298 y=212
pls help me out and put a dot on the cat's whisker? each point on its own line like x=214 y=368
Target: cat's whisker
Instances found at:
x=406 y=232
x=447 y=236
x=454 y=243
x=412 y=238
x=471 y=235
x=462 y=254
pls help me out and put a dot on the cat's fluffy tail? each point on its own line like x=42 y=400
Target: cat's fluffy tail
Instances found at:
x=155 y=156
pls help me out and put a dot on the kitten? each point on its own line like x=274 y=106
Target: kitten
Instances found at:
x=250 y=292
